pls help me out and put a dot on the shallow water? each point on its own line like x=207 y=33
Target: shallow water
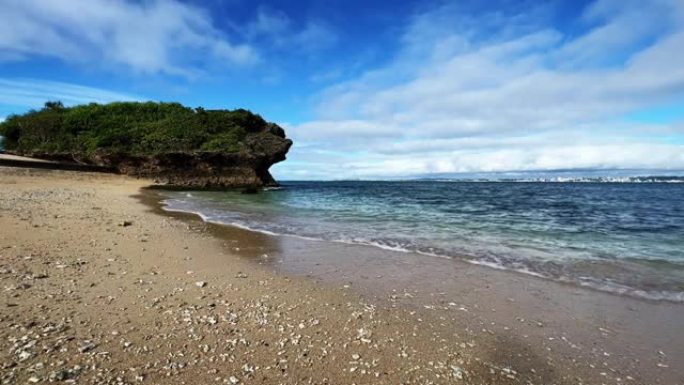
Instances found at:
x=625 y=238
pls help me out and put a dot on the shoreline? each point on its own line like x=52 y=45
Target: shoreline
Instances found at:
x=611 y=252
x=618 y=290
x=410 y=318
x=528 y=298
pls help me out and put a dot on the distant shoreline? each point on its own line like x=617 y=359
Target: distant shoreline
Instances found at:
x=635 y=180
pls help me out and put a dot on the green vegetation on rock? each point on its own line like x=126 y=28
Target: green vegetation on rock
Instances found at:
x=131 y=128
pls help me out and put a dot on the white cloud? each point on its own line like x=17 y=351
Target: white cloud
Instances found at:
x=547 y=157
x=148 y=37
x=281 y=32
x=529 y=97
x=34 y=93
x=619 y=25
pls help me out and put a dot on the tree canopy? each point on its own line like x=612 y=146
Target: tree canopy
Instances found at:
x=129 y=127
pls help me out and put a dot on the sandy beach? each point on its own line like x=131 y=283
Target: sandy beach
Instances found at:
x=101 y=286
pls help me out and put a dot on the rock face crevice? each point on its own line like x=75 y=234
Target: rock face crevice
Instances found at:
x=248 y=167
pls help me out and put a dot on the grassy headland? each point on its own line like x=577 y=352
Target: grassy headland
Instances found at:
x=130 y=127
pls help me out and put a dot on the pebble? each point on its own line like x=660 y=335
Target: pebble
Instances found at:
x=458 y=372
x=86 y=347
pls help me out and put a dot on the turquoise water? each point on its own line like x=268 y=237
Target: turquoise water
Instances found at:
x=626 y=238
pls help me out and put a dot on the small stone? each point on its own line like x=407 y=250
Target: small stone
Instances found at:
x=86 y=347
x=125 y=223
x=60 y=375
x=200 y=284
x=233 y=380
x=364 y=335
x=241 y=275
x=458 y=372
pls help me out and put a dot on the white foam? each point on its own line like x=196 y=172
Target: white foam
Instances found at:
x=613 y=288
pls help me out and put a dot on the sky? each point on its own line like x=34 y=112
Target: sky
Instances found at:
x=378 y=89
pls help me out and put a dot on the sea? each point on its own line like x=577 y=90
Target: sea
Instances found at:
x=623 y=238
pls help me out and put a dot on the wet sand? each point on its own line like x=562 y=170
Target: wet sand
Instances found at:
x=560 y=327
x=100 y=288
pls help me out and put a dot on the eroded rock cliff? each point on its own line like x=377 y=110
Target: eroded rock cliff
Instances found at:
x=248 y=167
x=175 y=145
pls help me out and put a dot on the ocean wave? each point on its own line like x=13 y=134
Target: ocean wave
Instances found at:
x=489 y=262
x=615 y=288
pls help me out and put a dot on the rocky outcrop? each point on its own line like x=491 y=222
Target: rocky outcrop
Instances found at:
x=205 y=170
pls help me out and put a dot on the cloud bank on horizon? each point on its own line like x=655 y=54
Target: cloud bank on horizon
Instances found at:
x=400 y=90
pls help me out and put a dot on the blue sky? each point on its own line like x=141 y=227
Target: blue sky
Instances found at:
x=372 y=89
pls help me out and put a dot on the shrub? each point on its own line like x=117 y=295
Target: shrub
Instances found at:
x=130 y=127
